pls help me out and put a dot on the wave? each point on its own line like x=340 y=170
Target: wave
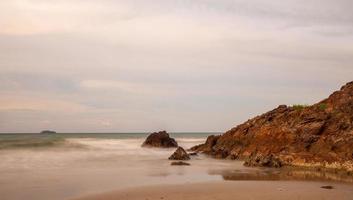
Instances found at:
x=117 y=144
x=31 y=142
x=106 y=144
x=191 y=140
x=127 y=144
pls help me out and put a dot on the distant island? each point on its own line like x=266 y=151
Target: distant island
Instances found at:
x=47 y=132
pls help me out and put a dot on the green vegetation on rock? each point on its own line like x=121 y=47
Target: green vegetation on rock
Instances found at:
x=299 y=106
x=322 y=106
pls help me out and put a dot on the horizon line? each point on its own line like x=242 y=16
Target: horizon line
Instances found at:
x=128 y=132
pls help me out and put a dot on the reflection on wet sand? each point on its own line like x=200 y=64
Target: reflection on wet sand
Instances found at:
x=282 y=174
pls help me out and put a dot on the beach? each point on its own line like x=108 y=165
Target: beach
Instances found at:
x=230 y=190
x=115 y=166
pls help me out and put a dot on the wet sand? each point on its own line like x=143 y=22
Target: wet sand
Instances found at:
x=232 y=190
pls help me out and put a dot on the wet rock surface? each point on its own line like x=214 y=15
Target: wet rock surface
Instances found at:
x=319 y=136
x=160 y=139
x=263 y=161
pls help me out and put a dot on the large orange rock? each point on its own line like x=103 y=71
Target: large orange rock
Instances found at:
x=320 y=135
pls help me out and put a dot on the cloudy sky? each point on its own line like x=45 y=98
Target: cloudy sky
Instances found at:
x=179 y=65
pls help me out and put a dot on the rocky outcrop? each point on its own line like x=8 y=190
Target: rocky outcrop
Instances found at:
x=320 y=135
x=179 y=154
x=180 y=163
x=160 y=139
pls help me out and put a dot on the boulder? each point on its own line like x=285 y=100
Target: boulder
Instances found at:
x=179 y=154
x=160 y=139
x=180 y=163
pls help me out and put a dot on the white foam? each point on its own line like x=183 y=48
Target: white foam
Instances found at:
x=95 y=149
x=130 y=146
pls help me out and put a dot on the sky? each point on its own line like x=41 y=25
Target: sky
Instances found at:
x=175 y=65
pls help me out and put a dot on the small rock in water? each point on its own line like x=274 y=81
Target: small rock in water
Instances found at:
x=179 y=154
x=180 y=163
x=160 y=139
x=329 y=187
x=193 y=154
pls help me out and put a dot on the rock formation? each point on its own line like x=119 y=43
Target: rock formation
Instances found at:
x=179 y=154
x=320 y=135
x=160 y=139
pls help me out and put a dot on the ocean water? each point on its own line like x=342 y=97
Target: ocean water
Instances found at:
x=29 y=140
x=64 y=166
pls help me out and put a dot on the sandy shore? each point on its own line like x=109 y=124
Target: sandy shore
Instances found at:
x=231 y=190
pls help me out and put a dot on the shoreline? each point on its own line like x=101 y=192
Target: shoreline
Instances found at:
x=230 y=190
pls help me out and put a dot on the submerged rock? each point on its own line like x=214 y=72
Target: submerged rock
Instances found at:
x=180 y=163
x=179 y=154
x=329 y=187
x=160 y=139
x=320 y=135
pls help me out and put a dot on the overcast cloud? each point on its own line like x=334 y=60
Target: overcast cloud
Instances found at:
x=181 y=65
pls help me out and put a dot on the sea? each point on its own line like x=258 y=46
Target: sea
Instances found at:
x=66 y=165
x=69 y=165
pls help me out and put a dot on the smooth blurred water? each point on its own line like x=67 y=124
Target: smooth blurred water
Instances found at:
x=27 y=140
x=59 y=166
